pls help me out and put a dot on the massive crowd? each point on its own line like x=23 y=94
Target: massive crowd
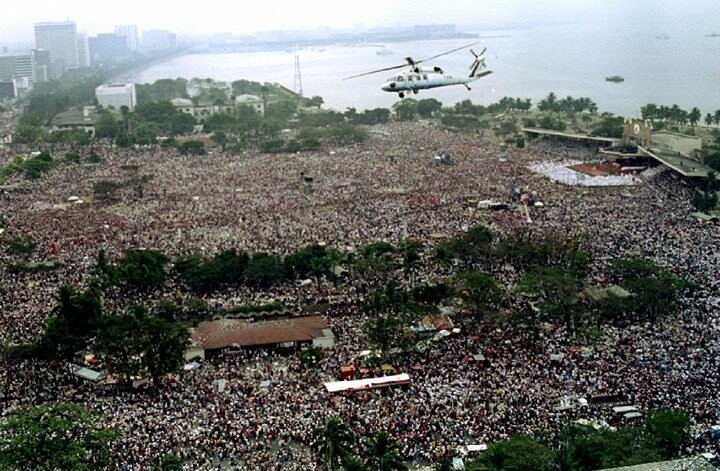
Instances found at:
x=387 y=188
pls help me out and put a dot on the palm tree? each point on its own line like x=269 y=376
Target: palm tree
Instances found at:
x=717 y=118
x=333 y=441
x=382 y=454
x=495 y=458
x=709 y=119
x=353 y=463
x=694 y=117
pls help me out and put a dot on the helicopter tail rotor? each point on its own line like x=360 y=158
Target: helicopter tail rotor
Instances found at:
x=478 y=63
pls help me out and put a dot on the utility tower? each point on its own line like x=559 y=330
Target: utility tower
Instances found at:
x=297 y=79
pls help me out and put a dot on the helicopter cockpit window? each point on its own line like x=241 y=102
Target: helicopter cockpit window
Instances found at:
x=400 y=78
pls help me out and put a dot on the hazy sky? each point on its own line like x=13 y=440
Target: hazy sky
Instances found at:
x=208 y=16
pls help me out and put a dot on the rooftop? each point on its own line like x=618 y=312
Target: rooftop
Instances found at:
x=686 y=464
x=244 y=333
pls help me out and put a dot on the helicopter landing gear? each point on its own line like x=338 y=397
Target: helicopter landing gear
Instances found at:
x=401 y=95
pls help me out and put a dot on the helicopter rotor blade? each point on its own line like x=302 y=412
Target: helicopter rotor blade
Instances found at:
x=377 y=71
x=448 y=52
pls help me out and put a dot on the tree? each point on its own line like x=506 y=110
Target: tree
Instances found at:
x=136 y=343
x=192 y=148
x=169 y=462
x=694 y=117
x=669 y=431
x=63 y=436
x=143 y=269
x=333 y=442
x=164 y=346
x=406 y=109
x=264 y=270
x=709 y=119
x=520 y=453
x=382 y=454
x=480 y=290
x=106 y=126
x=220 y=138
x=428 y=106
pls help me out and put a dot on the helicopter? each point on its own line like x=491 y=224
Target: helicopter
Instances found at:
x=417 y=77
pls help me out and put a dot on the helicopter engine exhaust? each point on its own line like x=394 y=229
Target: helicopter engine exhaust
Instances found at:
x=430 y=70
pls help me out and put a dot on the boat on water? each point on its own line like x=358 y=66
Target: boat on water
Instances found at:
x=713 y=35
x=614 y=78
x=383 y=52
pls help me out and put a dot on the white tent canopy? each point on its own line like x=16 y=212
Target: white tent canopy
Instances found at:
x=367 y=383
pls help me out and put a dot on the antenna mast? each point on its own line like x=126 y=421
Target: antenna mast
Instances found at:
x=297 y=79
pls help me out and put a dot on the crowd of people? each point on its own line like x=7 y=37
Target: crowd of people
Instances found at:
x=376 y=190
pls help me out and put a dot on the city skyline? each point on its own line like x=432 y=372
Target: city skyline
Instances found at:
x=16 y=26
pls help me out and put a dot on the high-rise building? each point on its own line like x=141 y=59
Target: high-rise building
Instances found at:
x=17 y=66
x=83 y=50
x=45 y=69
x=157 y=39
x=129 y=32
x=107 y=47
x=60 y=38
x=116 y=95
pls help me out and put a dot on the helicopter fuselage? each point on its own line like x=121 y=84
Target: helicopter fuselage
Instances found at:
x=413 y=82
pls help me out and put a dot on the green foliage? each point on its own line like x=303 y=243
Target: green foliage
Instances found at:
x=383 y=454
x=273 y=146
x=161 y=90
x=704 y=200
x=654 y=290
x=661 y=436
x=610 y=127
x=333 y=442
x=476 y=243
x=11 y=169
x=136 y=344
x=369 y=117
x=169 y=462
x=62 y=436
x=165 y=118
x=345 y=134
x=480 y=290
x=192 y=148
x=466 y=107
x=142 y=269
x=310 y=355
x=551 y=121
x=257 y=308
x=378 y=249
x=34 y=168
x=107 y=126
x=22 y=245
x=669 y=431
x=510 y=104
x=406 y=109
x=226 y=267
x=432 y=294
x=521 y=453
x=505 y=128
x=428 y=106
x=282 y=110
x=50 y=98
x=567 y=105
x=74 y=319
x=310 y=261
x=462 y=122
x=264 y=270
